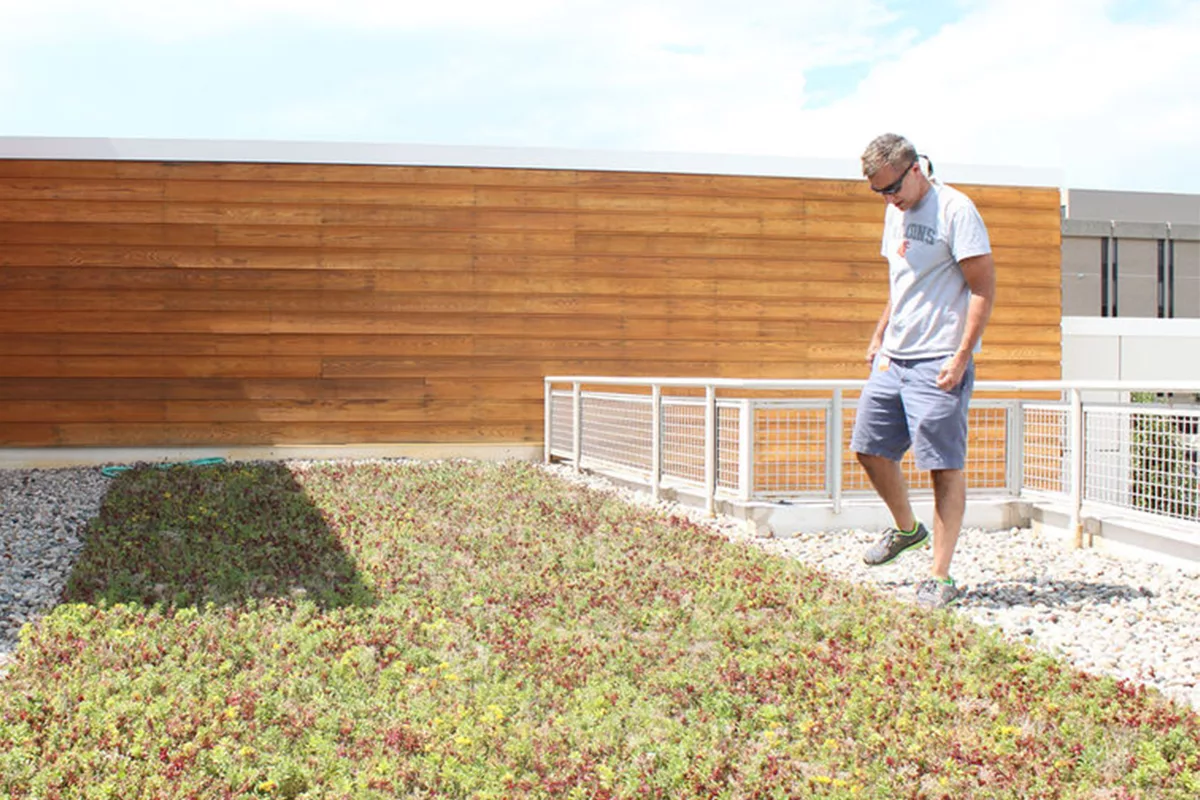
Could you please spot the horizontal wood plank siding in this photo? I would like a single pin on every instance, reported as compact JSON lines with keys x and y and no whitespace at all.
{"x":167,"y":304}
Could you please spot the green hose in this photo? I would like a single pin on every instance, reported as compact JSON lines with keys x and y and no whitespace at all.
{"x":115,"y":470}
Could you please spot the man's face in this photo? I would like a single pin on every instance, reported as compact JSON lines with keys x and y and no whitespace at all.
{"x":897,"y":185}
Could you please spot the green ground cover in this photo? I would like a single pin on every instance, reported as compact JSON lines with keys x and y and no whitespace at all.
{"x":464,"y":630}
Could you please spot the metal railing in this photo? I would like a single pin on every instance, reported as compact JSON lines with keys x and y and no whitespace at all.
{"x":1092,"y":444}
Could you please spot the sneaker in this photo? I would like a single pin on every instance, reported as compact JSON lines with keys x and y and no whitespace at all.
{"x":893,"y":543}
{"x":936,"y":593}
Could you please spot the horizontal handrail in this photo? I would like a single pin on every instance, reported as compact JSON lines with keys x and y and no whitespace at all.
{"x":1183,"y":387}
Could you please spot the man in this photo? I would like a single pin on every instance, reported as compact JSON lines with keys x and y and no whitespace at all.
{"x":943,"y":283}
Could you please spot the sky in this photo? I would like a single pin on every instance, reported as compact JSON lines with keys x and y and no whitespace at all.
{"x":1104,"y":93}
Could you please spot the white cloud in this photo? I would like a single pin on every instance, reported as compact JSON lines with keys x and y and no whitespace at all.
{"x":1041,"y":83}
{"x":186,"y":19}
{"x":698,"y":76}
{"x":1031,"y":83}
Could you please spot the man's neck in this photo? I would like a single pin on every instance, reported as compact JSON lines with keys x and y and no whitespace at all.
{"x":925,"y":186}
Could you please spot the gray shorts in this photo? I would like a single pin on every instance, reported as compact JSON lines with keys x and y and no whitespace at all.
{"x":902,"y":407}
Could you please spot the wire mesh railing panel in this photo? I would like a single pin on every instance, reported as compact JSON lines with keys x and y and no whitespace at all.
{"x":1045,"y":450}
{"x":987,"y":451}
{"x":683,"y":440}
{"x":562,"y":424}
{"x":729,"y":415}
{"x":1141,"y":457}
{"x":1106,"y":464}
{"x":789,"y":448}
{"x":618,"y":431}
{"x":1152,"y":452}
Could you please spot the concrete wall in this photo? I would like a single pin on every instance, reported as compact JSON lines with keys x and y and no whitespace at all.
{"x":1178,"y":209}
{"x":1141,"y":219}
{"x":1130,"y":349}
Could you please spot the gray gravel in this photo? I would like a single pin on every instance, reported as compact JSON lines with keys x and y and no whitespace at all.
{"x":1123,"y":617}
{"x":43,"y":514}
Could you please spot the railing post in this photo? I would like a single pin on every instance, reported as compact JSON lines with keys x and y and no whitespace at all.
{"x":548,"y":427}
{"x":655,"y":440}
{"x":710,"y":450}
{"x":577,"y":422}
{"x":1014,"y":449}
{"x":746,"y":449}
{"x":834,"y":449}
{"x":1078,"y":448}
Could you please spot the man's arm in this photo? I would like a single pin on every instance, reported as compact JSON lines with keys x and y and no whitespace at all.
{"x":880,"y":329}
{"x":980,"y":274}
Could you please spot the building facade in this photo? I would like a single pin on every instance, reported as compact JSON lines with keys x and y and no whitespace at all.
{"x":1130,"y":254}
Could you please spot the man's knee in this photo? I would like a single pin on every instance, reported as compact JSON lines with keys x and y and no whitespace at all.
{"x":870,"y":459}
{"x":946,"y":474}
{"x":948,"y":478}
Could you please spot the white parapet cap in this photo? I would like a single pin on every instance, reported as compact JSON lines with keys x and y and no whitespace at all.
{"x":1139,"y":327}
{"x":438,"y":155}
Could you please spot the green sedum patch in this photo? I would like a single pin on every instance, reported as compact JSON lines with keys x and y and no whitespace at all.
{"x":463,"y":630}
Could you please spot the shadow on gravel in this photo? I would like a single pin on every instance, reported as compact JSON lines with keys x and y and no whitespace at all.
{"x":224,"y":534}
{"x":1050,"y":594}
{"x":43,"y":517}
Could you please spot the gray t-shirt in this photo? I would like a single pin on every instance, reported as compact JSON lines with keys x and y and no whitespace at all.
{"x":929,"y":294}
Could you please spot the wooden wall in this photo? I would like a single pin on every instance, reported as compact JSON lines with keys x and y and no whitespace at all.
{"x":168,"y":304}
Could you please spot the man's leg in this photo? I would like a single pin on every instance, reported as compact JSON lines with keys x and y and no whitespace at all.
{"x":949,"y":505}
{"x":888,"y":480}
{"x":938,"y":420}
{"x":881,"y":437}
{"x":939,"y":424}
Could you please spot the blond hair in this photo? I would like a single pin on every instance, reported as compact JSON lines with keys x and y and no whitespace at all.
{"x":890,"y":149}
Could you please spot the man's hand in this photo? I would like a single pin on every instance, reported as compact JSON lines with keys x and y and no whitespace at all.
{"x":953,"y":371}
{"x":873,"y":349}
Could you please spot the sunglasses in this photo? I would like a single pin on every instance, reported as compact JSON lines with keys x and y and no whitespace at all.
{"x":895,"y":185}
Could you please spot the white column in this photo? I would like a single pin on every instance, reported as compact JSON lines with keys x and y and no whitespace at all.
{"x":710,"y":450}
